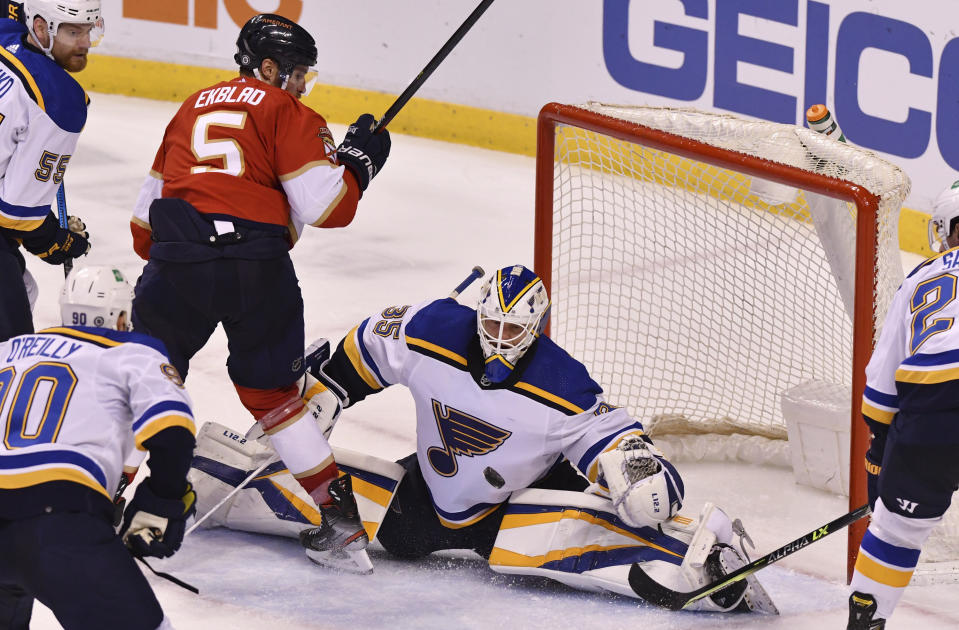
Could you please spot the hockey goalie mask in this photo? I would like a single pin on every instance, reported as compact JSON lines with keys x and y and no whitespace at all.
{"x":513,"y":311}
{"x":945,"y":209}
{"x":95,"y":296}
{"x":60,"y":13}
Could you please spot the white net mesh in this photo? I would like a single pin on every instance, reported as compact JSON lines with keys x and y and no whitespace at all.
{"x":697,"y":295}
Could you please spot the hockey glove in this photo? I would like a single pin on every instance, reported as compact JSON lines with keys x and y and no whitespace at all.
{"x":644,"y":487}
{"x":54,"y":244}
{"x":877,"y":446}
{"x":154,"y":526}
{"x":362,"y":151}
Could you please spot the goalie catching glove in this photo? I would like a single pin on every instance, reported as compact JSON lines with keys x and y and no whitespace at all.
{"x":644,"y":487}
{"x":154,"y":526}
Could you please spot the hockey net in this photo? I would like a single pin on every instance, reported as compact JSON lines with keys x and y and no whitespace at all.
{"x":701,"y":265}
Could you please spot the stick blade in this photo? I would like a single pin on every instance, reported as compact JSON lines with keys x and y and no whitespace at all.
{"x":653,"y":592}
{"x":357,"y":562}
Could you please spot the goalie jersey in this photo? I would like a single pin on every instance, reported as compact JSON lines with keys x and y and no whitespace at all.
{"x":915,"y":365}
{"x":74,"y":403}
{"x":478,"y":443}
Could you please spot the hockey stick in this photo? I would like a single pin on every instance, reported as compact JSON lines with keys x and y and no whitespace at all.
{"x":437,"y":59}
{"x":477,"y":272}
{"x":64,"y":223}
{"x":655,"y":593}
{"x":232,"y":492}
{"x":167,"y":576}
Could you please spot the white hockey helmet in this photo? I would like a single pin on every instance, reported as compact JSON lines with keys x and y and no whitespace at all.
{"x":58,"y":12}
{"x":513,"y":311}
{"x":95,"y":296}
{"x":945,"y":209}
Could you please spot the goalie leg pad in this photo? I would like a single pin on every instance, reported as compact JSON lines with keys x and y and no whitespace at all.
{"x":274,"y":502}
{"x":577,"y":539}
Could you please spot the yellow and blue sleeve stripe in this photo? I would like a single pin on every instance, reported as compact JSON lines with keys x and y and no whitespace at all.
{"x":22,"y":470}
{"x":162,"y":415}
{"x":928,"y":369}
{"x":361,"y":359}
{"x":878,"y":406}
{"x":22,"y":218}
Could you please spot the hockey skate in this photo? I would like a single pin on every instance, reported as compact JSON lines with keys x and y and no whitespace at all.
{"x":862,"y":611}
{"x":340,"y":540}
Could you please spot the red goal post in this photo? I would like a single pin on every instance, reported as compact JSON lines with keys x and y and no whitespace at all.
{"x":556,"y":119}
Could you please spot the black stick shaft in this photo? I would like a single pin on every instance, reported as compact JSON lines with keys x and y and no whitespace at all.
{"x":434,"y":63}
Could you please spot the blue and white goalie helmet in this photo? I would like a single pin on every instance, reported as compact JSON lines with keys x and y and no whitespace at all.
{"x":944,"y":210}
{"x":513,"y":311}
{"x":96,"y":296}
{"x":59,"y":12}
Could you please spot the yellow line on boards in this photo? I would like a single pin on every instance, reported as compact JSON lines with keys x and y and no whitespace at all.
{"x":436,"y":120}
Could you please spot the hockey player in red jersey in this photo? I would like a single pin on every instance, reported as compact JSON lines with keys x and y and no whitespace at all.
{"x":242,"y":168}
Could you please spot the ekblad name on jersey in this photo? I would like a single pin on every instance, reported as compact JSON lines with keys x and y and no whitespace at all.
{"x":77,"y":400}
{"x":918,"y":349}
{"x":245,"y":150}
{"x":553,"y":410}
{"x":43,"y":111}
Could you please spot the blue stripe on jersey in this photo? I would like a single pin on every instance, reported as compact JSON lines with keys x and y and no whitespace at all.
{"x":367,"y":357}
{"x":160,"y":407}
{"x":886,"y":400}
{"x":593,"y":451}
{"x":459,"y":516}
{"x":902,"y":557}
{"x":940,"y":358}
{"x":24,"y":213}
{"x":123,"y":336}
{"x":26,"y":460}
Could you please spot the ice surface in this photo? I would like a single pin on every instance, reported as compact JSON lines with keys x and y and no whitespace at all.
{"x":434,"y":212}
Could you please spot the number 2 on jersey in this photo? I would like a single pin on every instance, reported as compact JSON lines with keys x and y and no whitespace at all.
{"x":226,"y":149}
{"x":30,"y":391}
{"x":929,"y":298}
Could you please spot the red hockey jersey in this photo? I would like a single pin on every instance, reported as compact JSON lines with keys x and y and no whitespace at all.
{"x":247,"y":150}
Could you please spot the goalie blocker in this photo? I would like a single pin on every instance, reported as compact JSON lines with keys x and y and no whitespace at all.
{"x":575,"y":538}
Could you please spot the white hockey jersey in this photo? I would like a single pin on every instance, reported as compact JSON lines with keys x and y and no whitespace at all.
{"x":75,"y":401}
{"x":42,"y":111}
{"x":919,"y":342}
{"x":477,"y":445}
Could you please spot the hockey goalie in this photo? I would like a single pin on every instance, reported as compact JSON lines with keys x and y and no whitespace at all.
{"x":519,"y":457}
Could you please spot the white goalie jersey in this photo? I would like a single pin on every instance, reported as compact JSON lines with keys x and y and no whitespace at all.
{"x":76,"y":401}
{"x":478,"y":443}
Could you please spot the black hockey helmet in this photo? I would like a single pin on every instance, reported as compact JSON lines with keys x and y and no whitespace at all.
{"x":270,"y":36}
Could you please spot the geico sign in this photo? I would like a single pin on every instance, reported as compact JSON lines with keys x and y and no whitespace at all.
{"x":858,"y":33}
{"x":204,"y":11}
